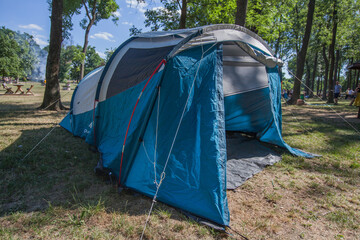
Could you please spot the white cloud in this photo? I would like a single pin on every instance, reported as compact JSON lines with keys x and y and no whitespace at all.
{"x":158,"y":8}
{"x":103,"y":35}
{"x":101,"y":54}
{"x":127,"y":23}
{"x":116,"y":14}
{"x":40,"y":41}
{"x":162,"y":9}
{"x":141,"y":6}
{"x":31,"y":26}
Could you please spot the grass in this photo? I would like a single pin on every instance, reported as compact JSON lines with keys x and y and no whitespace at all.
{"x":53,"y":193}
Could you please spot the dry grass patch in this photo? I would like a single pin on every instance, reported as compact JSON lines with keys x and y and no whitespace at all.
{"x":53,"y":193}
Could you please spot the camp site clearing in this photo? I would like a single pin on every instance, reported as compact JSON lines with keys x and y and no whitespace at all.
{"x":54,"y":192}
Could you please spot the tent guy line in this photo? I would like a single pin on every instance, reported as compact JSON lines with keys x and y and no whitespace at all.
{"x":221,"y":77}
{"x":352,"y":126}
{"x":162,"y":175}
{"x":55,"y":125}
{"x":132,"y":114}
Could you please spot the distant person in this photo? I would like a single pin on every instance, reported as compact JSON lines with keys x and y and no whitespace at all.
{"x":351,"y":94}
{"x":347,"y":94}
{"x":357,"y":99}
{"x":286,"y":94}
{"x":337,"y":91}
{"x":355,"y":95}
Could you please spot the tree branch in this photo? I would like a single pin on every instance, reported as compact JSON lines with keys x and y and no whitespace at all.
{"x":94,"y":11}
{"x":87,"y":10}
{"x":178,"y":3}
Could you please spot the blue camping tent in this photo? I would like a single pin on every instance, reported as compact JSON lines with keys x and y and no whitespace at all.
{"x":158,"y":111}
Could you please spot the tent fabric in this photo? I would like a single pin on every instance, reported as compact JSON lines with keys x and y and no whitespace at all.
{"x":248,"y":112}
{"x":274,"y":133}
{"x":192,"y":176}
{"x":79,"y":120}
{"x":135,"y":66}
{"x":170,"y":127}
{"x":133,"y":43}
{"x":245,"y":158}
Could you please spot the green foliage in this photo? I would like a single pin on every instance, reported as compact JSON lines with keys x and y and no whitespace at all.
{"x":92,"y":60}
{"x":97,"y":10}
{"x":134,"y":30}
{"x":109,"y":53}
{"x":165,"y":18}
{"x":71,"y":58}
{"x":199,"y":13}
{"x":70,"y":61}
{"x":70,"y":7}
{"x":9,"y":59}
{"x":19,"y":53}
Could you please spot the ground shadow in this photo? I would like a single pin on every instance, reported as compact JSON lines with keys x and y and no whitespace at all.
{"x":60,"y":172}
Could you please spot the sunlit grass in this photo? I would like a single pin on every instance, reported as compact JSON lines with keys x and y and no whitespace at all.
{"x":54,"y":193}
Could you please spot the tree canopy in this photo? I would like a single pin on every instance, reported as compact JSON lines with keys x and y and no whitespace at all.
{"x":19,"y":54}
{"x":332,"y":39}
{"x":95,"y":11}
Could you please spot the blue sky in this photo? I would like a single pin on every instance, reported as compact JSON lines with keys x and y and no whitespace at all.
{"x":32,"y":16}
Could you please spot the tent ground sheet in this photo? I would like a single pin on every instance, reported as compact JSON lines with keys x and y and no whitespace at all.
{"x":245,"y":158}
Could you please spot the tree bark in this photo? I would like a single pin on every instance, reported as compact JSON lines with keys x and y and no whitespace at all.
{"x":326,"y":72}
{"x":336,"y":68}
{"x":332,"y":56}
{"x":52,"y":100}
{"x":307,"y":80}
{"x":182,"y":23}
{"x":349,"y":75}
{"x":314,"y":75}
{"x":91,"y":16}
{"x":241,"y":9}
{"x":300,"y":60}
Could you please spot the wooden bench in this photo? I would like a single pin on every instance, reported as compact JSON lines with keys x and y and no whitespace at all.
{"x":29,"y":90}
{"x":8,"y":89}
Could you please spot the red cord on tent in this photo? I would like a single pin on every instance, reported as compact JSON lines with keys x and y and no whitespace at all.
{"x":132,"y":114}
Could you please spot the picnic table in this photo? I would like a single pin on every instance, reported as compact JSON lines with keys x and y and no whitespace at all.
{"x":19,"y":88}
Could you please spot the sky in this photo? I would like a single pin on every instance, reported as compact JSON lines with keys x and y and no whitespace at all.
{"x":33,"y":17}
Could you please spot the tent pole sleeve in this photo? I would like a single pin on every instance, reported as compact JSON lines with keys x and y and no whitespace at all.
{"x":132,"y":114}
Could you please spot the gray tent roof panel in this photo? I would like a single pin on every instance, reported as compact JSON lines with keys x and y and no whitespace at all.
{"x":241,"y":49}
{"x":221,"y":32}
{"x":137,"y":43}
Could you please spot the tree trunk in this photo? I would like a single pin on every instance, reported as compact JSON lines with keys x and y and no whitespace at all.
{"x":86,"y":43}
{"x":307,"y":80}
{"x":91,"y":18}
{"x":241,"y":9}
{"x":349,"y":75}
{"x":336,"y":68}
{"x":332,"y":57}
{"x":52,"y":100}
{"x":353,"y":79}
{"x":314,"y":75}
{"x":300,"y":60}
{"x":182,"y":23}
{"x":326,"y":72}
